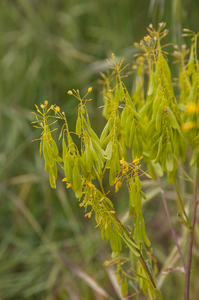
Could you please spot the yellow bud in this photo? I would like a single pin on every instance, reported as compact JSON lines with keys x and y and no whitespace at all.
{"x":90,"y":89}
{"x":46,"y":102}
{"x":70,"y":92}
{"x":42,"y":106}
{"x":57,"y":108}
{"x":68,"y":185}
{"x":64,"y":180}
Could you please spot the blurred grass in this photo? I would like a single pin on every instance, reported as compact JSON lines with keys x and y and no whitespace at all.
{"x":48,"y":249}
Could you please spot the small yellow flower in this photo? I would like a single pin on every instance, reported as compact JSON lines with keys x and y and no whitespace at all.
{"x":70,"y":92}
{"x":90,"y":89}
{"x":42,"y":106}
{"x":125,"y":170}
{"x":136,"y":160}
{"x":188,"y":126}
{"x":68,"y":185}
{"x":91,"y":185}
{"x":64,"y":180}
{"x":46,"y":102}
{"x":147,"y":38}
{"x":191,"y":108}
{"x":57,"y":108}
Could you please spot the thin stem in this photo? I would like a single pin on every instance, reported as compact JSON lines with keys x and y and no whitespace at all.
{"x":170,"y":222}
{"x":180,"y":202}
{"x":180,"y":165}
{"x":195,"y":203}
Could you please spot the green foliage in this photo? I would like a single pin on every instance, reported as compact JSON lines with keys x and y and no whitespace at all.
{"x":152,"y":123}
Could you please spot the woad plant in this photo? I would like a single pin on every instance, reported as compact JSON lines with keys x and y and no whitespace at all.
{"x":155,"y":126}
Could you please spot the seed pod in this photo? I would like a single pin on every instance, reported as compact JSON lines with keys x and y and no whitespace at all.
{"x":116,"y":98}
{"x":68,"y":169}
{"x":52,"y":178}
{"x":78,"y":126}
{"x":122,"y":147}
{"x":108,"y":151}
{"x":103,"y":235}
{"x":108,"y":201}
{"x":89,"y":159}
{"x":64,"y":148}
{"x":138,"y":202}
{"x":108,"y":231}
{"x":52,"y":174}
{"x":137,"y":233}
{"x":128,"y":130}
{"x":54,"y":147}
{"x":157,"y":168}
{"x":153,"y":152}
{"x":146,"y":239}
{"x":47,"y":153}
{"x":132,"y":192}
{"x":152,"y":83}
{"x":83,"y":166}
{"x":132,"y":134}
{"x":77,"y":183}
{"x":93,"y":135}
{"x":159,"y":150}
{"x":106,"y":141}
{"x":172,"y":119}
{"x":138,"y":117}
{"x":138,"y":183}
{"x":112,"y":171}
{"x":114,"y":241}
{"x":71,"y":144}
{"x":104,"y":133}
{"x":115,"y":254}
{"x":124,"y":287}
{"x":159,"y":118}
{"x":93,"y":152}
{"x":151,"y":171}
{"x":124,"y":116}
{"x":169,"y":157}
{"x":98,"y":149}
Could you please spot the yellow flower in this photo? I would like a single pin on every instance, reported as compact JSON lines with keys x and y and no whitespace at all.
{"x":136,"y":160}
{"x":70,"y":92}
{"x":90,"y":89}
{"x":188,"y":126}
{"x":46,"y":102}
{"x":57,"y":108}
{"x":147,"y":38}
{"x":42,"y":106}
{"x":64,"y":180}
{"x":91,"y":185}
{"x":191,"y":108}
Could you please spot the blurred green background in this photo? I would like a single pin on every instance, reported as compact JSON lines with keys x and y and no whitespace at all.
{"x":48,"y":249}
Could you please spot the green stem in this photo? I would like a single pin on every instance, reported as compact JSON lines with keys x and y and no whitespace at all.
{"x":180,"y":202}
{"x":195,"y":203}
